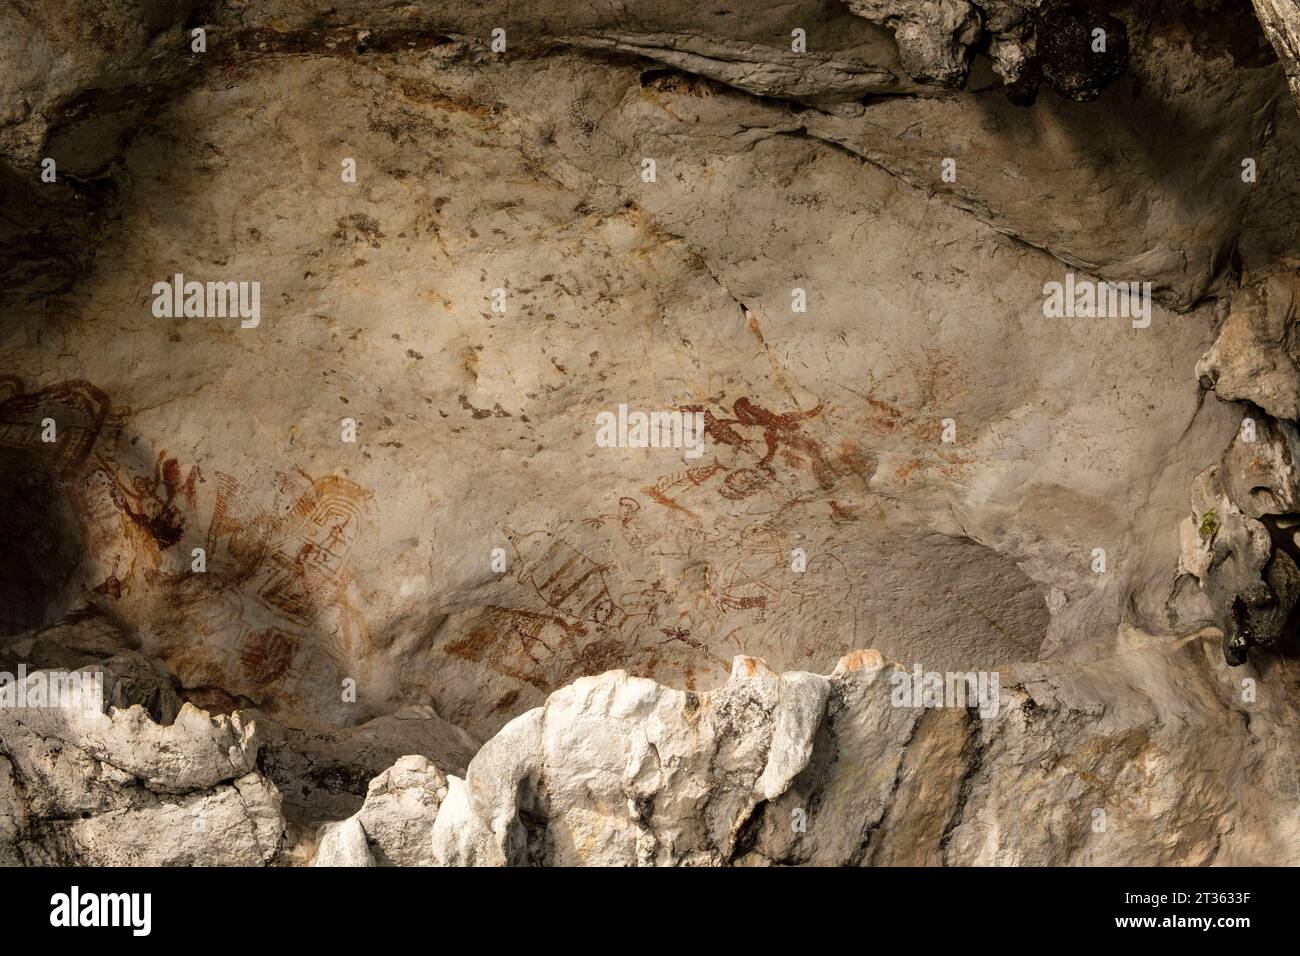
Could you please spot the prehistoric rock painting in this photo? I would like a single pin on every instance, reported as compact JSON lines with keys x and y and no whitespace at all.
{"x":275,"y":594}
{"x":780,"y":433}
{"x":124,"y":516}
{"x":538,"y":649}
{"x":110,"y":549}
{"x":628,"y":517}
{"x":585,"y":611}
{"x":581,"y":611}
{"x":156,"y":503}
{"x":570,"y":582}
{"x":828,"y":230}
{"x":266,"y":655}
{"x":307,"y":555}
{"x":79,"y":410}
{"x":577,"y":626}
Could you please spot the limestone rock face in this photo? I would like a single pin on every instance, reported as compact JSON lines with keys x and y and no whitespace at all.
{"x":933,"y":36}
{"x":803,"y":769}
{"x":108,"y":787}
{"x":344,"y":844}
{"x":326,"y":774}
{"x":1255,"y":358}
{"x":312,"y":315}
{"x":1239,"y":542}
{"x":1282,"y":25}
{"x":632,"y":771}
{"x":395,"y":822}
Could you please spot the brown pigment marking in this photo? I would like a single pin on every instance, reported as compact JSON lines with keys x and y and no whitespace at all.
{"x":903,"y":472}
{"x":296,"y":563}
{"x":78,"y":408}
{"x":496,"y":411}
{"x":682,"y":635}
{"x":489,"y":641}
{"x":311,"y":548}
{"x":842,"y":512}
{"x":660,"y":498}
{"x":940,"y":381}
{"x":745,"y":603}
{"x":786,"y":429}
{"x":171,"y":471}
{"x":110,"y":586}
{"x":266,"y":656}
{"x":144,"y":501}
{"x":889,"y":408}
{"x":507,"y":700}
{"x":430,"y":95}
{"x":957,"y":465}
{"x":165,"y":529}
{"x":743,"y":482}
{"x":600,"y":656}
{"x":717,"y":429}
{"x":854,"y":458}
{"x":358,"y":227}
{"x":573,"y":584}
{"x":694,"y":477}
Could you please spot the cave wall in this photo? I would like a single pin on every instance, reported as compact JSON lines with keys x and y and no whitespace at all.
{"x":372,"y":520}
